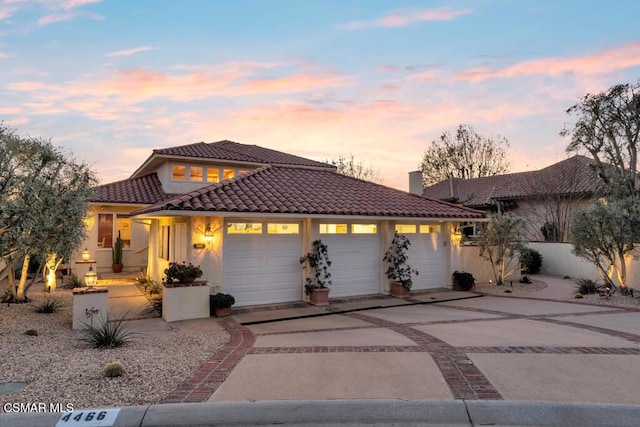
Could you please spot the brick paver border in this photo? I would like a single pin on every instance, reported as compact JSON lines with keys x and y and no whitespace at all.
{"x":212,"y":373}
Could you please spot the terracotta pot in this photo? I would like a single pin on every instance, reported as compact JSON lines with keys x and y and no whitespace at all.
{"x":117,"y":268}
{"x":222,"y":311}
{"x":320,"y":296}
{"x":398,"y":291}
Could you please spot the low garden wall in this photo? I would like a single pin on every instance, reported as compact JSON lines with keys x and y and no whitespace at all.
{"x":558,"y":260}
{"x":467,"y":258}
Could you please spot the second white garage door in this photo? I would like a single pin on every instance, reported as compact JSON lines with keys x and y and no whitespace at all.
{"x":261,"y":262}
{"x":426,"y":254}
{"x":355,"y":258}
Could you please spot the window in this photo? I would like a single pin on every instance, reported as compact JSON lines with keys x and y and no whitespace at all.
{"x":283,"y":228}
{"x":107,"y":233}
{"x":364,"y":229}
{"x":213,"y":175}
{"x":406,"y":228}
{"x":244,"y":228}
{"x":229,"y":173}
{"x":105,"y":230}
{"x":164,"y":242}
{"x":425,"y":229}
{"x":179,"y":172}
{"x":469,"y":229}
{"x":333,"y":228}
{"x":195,"y":173}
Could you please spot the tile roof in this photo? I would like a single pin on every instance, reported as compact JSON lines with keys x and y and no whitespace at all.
{"x":573,"y":176}
{"x":233,"y":151}
{"x":143,"y":190}
{"x":281,"y":189}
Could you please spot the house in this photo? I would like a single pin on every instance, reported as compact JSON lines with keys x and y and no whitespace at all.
{"x":246,"y":214}
{"x":545,"y":198}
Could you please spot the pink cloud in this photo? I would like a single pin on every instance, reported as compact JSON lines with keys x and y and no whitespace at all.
{"x":620,"y":57}
{"x":408,"y":17}
{"x":61,"y":17}
{"x":70,"y":4}
{"x":130,"y":52}
{"x":4,"y":55}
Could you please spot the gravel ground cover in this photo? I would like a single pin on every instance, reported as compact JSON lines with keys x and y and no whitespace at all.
{"x":529,"y":289}
{"x":510,"y":289}
{"x":60,"y":368}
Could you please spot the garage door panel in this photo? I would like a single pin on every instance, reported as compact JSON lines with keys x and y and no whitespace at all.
{"x":426,"y":254}
{"x":262,"y":268}
{"x":355,"y":264}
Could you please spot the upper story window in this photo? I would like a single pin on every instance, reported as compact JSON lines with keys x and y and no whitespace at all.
{"x":194,"y":173}
{"x":179,"y":172}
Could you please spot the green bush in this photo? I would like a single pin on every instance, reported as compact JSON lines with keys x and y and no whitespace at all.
{"x":221,"y":300}
{"x":113,"y":370}
{"x":463,"y":281}
{"x":525,"y":279}
{"x":108,"y":334}
{"x":530,"y":261}
{"x":47,"y":306}
{"x":587,"y":287}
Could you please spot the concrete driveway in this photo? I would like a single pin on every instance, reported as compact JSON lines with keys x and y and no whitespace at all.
{"x":481,"y":348}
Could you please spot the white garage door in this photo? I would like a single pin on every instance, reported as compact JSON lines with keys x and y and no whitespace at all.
{"x":426,"y":254}
{"x":261,"y":262}
{"x":355,"y":258}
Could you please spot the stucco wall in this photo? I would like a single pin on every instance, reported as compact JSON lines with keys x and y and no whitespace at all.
{"x":210,"y":257}
{"x":557,"y":259}
{"x":134,"y":258}
{"x":467,"y":258}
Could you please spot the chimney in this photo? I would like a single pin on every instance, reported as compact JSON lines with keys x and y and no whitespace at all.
{"x":415,"y":182}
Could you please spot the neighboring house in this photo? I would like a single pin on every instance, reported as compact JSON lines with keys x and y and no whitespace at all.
{"x":246,"y":215}
{"x":545,"y":198}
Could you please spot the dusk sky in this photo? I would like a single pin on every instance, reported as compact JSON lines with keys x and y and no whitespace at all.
{"x":111,"y":80}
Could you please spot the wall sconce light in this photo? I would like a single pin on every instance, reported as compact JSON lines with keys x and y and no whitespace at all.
{"x":91,"y":278}
{"x":208,"y":234}
{"x":85,"y":254}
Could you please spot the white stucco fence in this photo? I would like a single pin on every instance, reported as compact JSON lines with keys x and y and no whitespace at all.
{"x":557,"y":259}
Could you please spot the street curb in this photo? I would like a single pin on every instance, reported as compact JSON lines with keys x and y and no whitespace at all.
{"x":358,"y":412}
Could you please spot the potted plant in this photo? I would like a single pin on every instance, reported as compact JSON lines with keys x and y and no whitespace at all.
{"x":184,"y":273}
{"x":398,"y":270}
{"x":116,"y":254}
{"x":316,"y":263}
{"x":220,"y":304}
{"x":463,"y":281}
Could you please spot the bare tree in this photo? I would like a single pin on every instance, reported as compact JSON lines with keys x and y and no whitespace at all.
{"x":608,"y":127}
{"x":349,"y":166}
{"x":501,"y":242}
{"x":464,"y":154}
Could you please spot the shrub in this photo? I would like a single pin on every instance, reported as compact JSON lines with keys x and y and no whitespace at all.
{"x":108,"y":334}
{"x":31,"y":332}
{"x":396,"y":257}
{"x":47,"y":306}
{"x":587,"y":286}
{"x":317,"y":263}
{"x":113,"y":369}
{"x":74,"y":282}
{"x":221,"y":300}
{"x":525,"y":279}
{"x":155,"y":288}
{"x":530,"y":261}
{"x":181,"y":272}
{"x":463,"y":281}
